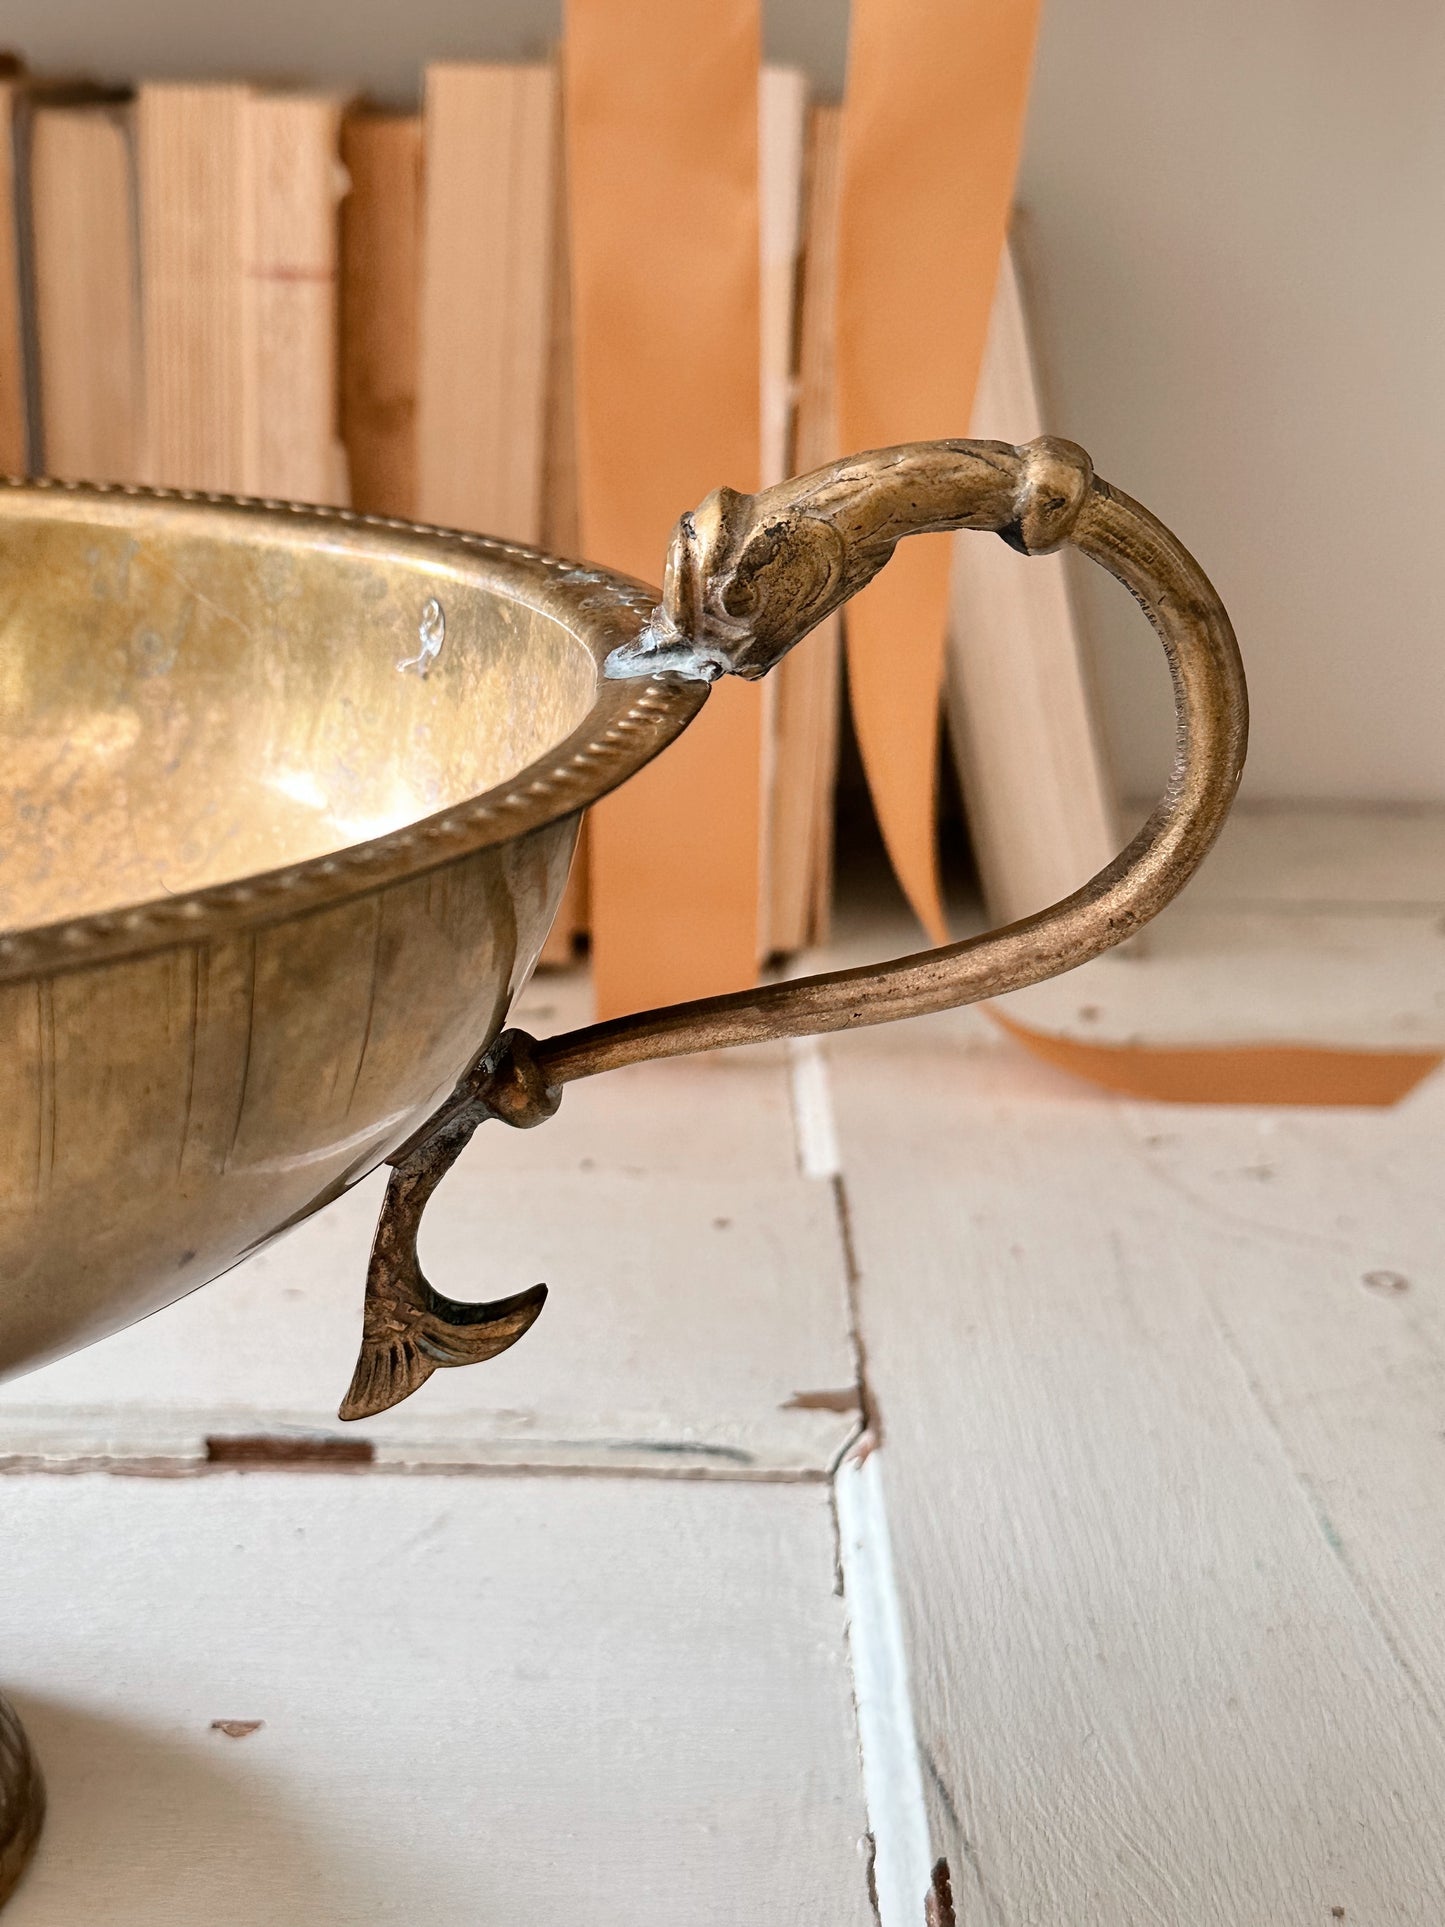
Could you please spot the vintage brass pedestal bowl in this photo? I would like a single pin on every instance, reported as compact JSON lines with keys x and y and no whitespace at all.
{"x":287,"y":801}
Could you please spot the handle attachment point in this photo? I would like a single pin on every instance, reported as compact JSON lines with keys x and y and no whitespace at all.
{"x":408,"y":1327}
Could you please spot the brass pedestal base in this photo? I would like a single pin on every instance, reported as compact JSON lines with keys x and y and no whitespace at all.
{"x":22,"y":1800}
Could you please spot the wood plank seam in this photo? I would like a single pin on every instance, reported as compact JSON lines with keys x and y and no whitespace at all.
{"x":32,"y":1464}
{"x":887,"y":1737}
{"x":819,"y":1158}
{"x":902,"y":1856}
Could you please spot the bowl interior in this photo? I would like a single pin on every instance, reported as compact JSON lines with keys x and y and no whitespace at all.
{"x":187,"y":700}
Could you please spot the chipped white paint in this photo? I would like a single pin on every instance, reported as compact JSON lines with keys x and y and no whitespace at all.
{"x":817,"y":1133}
{"x":507,"y":1700}
{"x":1161,"y":1391}
{"x":1164,"y":1478}
{"x":892,"y":1779}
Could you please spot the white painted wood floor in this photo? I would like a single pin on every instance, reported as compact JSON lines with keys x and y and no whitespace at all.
{"x":1162,"y":1403}
{"x":1306,"y":926}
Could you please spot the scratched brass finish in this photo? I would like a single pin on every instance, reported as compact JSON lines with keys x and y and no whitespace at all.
{"x":747,"y":578}
{"x":287,"y":798}
{"x":264,"y":892}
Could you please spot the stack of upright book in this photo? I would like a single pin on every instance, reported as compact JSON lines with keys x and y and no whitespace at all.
{"x":555,"y":307}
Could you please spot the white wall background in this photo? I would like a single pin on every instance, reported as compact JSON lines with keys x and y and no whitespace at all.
{"x":1237,"y":247}
{"x":1239,"y":215}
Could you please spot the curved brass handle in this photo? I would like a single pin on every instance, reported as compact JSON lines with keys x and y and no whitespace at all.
{"x":747,"y":577}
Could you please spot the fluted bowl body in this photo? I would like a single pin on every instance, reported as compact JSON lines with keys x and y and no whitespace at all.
{"x":287,"y":803}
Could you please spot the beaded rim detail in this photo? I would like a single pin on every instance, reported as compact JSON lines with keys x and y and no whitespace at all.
{"x":629,"y":723}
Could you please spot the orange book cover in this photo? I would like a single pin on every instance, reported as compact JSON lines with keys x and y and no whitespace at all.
{"x":662,"y":137}
{"x":932,"y":126}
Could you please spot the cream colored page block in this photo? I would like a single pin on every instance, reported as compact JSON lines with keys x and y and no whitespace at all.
{"x":817,"y":437}
{"x":503,"y":1700}
{"x":807,"y":681}
{"x":698,"y":1319}
{"x":487,"y":258}
{"x":193,"y":224}
{"x":1161,"y":1450}
{"x":290,"y":392}
{"x":86,"y":292}
{"x":1040,"y":811}
{"x":782,"y":124}
{"x":560,"y":528}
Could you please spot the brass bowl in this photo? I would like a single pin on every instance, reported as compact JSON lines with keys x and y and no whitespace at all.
{"x":287,"y":805}
{"x":275,"y":863}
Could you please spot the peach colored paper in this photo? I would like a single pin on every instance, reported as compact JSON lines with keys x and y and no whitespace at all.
{"x":662,"y":163}
{"x":1234,"y":1074}
{"x":932,"y":124}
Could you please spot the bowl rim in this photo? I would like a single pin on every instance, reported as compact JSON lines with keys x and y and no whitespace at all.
{"x":630,"y":720}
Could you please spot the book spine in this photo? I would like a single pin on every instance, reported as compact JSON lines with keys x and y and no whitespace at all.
{"x":1040,"y":811}
{"x":932,"y":126}
{"x":665,"y":280}
{"x":381,"y":308}
{"x":560,"y":532}
{"x":191,"y":148}
{"x":85,"y":291}
{"x":290,"y":430}
{"x":809,"y":680}
{"x":489,"y":143}
{"x":14,"y":438}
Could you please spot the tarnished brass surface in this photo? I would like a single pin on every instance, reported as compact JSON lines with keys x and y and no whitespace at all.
{"x":287,"y":798}
{"x":265,"y":892}
{"x":747,"y":577}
